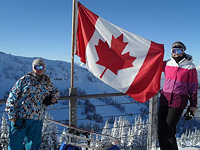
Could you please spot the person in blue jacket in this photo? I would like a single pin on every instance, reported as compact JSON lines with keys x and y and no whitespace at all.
{"x":26,"y":105}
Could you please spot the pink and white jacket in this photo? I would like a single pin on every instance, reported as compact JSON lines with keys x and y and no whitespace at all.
{"x":181,"y":83}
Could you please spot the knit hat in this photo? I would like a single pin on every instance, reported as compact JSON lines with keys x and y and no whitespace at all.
{"x":178,"y":44}
{"x":38,"y":61}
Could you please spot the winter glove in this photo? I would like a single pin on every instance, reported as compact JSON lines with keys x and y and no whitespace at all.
{"x":190,"y":113}
{"x":48,"y":100}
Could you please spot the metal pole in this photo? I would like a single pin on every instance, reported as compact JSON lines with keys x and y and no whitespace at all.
{"x":73,"y":40}
{"x":73,"y":107}
{"x":154,"y":121}
{"x":152,"y":126}
{"x":72,"y":90}
{"x":149,"y":125}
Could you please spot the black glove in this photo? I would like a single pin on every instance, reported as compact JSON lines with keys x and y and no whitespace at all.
{"x":189,"y":115}
{"x":47,"y":100}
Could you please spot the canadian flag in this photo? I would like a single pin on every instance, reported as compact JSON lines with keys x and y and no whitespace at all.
{"x":123,"y":60}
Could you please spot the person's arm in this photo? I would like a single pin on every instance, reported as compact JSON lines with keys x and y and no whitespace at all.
{"x":13,"y":100}
{"x":55,"y":93}
{"x":192,"y":94}
{"x":192,"y":89}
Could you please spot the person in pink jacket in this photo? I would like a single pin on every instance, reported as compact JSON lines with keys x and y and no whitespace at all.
{"x":180,"y":86}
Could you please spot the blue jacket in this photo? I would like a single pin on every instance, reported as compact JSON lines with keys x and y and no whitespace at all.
{"x":26,"y":97}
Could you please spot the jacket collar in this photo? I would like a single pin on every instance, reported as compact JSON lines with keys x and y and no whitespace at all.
{"x":186,"y":60}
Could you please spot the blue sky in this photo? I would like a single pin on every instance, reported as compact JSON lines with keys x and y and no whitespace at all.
{"x":42,"y":28}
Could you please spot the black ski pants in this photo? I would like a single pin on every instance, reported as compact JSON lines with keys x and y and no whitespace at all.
{"x":168,"y":118}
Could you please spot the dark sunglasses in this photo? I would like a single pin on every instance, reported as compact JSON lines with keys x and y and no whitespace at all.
{"x":39,"y":67}
{"x":177,"y":51}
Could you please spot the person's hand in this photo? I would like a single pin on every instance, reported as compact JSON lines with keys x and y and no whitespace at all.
{"x":49,"y":100}
{"x":13,"y":120}
{"x":53,"y":100}
{"x":190,"y":113}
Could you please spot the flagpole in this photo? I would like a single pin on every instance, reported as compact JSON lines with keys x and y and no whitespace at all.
{"x":73,"y":41}
{"x":72,"y":90}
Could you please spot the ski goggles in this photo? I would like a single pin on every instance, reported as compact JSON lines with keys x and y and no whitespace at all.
{"x":177,"y":51}
{"x":39,"y":67}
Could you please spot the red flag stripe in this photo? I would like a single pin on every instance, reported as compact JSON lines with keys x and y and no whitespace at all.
{"x":85,"y":30}
{"x":145,"y":84}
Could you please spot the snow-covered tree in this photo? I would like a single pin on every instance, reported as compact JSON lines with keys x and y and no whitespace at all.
{"x":135,"y":139}
{"x":189,"y":138}
{"x":49,"y":135}
{"x":92,"y":144}
{"x":106,"y":130}
{"x":136,"y":135}
{"x":98,"y":138}
{"x":120,"y":124}
{"x":143,"y":136}
{"x":63,"y":137}
{"x":197,"y":137}
{"x":4,"y":133}
{"x":115,"y":129}
{"x":182,"y":140}
{"x":124,"y":132}
{"x":131,"y":137}
{"x":54,"y":135}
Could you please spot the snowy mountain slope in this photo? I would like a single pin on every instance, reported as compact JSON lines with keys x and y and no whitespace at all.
{"x":13,"y":67}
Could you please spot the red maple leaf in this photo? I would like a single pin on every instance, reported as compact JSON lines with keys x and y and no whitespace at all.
{"x":111,"y":58}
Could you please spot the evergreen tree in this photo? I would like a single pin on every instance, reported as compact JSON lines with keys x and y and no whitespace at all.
{"x":181,"y":141}
{"x":143,"y":136}
{"x":120,"y":124}
{"x":106,"y":130}
{"x":139,"y":135}
{"x":131,"y":138}
{"x":54,"y":135}
{"x":189,"y":138}
{"x":197,"y":137}
{"x":124,"y":133}
{"x":194,"y":137}
{"x":4,"y":133}
{"x":63,"y":137}
{"x":49,"y":135}
{"x":92,"y":137}
{"x":97,"y":139}
{"x":115,"y":129}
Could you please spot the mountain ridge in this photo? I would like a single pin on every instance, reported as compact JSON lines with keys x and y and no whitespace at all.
{"x":14,"y":67}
